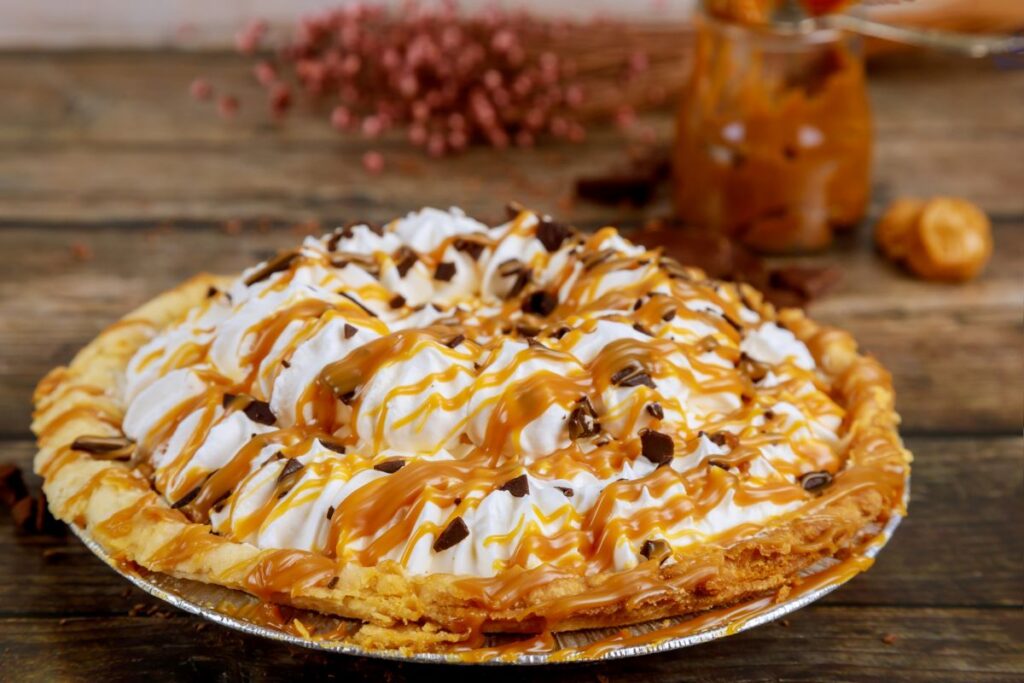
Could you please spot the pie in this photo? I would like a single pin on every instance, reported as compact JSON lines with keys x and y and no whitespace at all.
{"x":443,"y":429}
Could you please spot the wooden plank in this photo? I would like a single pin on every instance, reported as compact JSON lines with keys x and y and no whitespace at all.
{"x":819,"y":643}
{"x":960,"y":546}
{"x":950,"y":348}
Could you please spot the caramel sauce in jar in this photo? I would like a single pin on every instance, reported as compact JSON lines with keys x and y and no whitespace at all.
{"x":773,"y":137}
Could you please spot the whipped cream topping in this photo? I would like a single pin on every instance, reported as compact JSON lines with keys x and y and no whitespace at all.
{"x":465,"y":399}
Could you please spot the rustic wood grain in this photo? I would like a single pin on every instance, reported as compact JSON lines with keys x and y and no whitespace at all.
{"x":103,"y":154}
{"x":821,"y":642}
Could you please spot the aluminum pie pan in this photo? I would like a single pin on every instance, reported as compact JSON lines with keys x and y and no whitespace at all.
{"x":210,"y":601}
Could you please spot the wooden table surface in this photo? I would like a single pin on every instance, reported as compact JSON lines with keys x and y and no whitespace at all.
{"x":114,"y":185}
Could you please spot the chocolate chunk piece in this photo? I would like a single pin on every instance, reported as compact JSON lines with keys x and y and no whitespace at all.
{"x":541,"y":303}
{"x":642,"y":330}
{"x":187,"y":498}
{"x":656,"y":447}
{"x":105,"y":447}
{"x":453,"y":534}
{"x":668,"y":315}
{"x":471,"y":247}
{"x":552,"y":234}
{"x":350,"y":331}
{"x":290,"y":467}
{"x":724,"y":439}
{"x":527,"y":331}
{"x":332,"y":583}
{"x":211,"y":292}
{"x":445,"y":271}
{"x":404,"y":258}
{"x":656,"y":411}
{"x":517,"y":486}
{"x":455,"y":341}
{"x":583,"y":420}
{"x":282,"y":261}
{"x":632,"y":375}
{"x":365,"y":310}
{"x":815,"y":481}
{"x":390,"y":466}
{"x":330,"y":512}
{"x":397,"y":301}
{"x":656,"y":549}
{"x":259,"y":411}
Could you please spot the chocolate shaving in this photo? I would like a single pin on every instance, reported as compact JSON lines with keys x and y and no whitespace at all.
{"x":669,"y":315}
{"x":187,"y":498}
{"x":332,"y":583}
{"x":596,"y":258}
{"x":282,"y":261}
{"x":350,"y":331}
{"x":656,"y":447}
{"x":517,"y":486}
{"x":552,"y":234}
{"x":365,"y":310}
{"x":290,"y":467}
{"x":390,"y":466}
{"x":656,"y":411}
{"x":105,"y":447}
{"x":259,"y":411}
{"x":642,"y":330}
{"x":471,"y":247}
{"x":732,"y":323}
{"x":566,"y":491}
{"x":561,"y":332}
{"x":332,"y":445}
{"x":404,"y":258}
{"x":445,"y":271}
{"x":656,"y":549}
{"x":719,"y":464}
{"x":522,"y":279}
{"x":455,"y":341}
{"x":454,"y":533}
{"x":330,"y":512}
{"x":815,"y":481}
{"x":583,"y":420}
{"x":541,"y":303}
{"x":527,"y":331}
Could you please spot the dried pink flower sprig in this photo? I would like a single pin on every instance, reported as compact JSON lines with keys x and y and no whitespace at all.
{"x":447,"y":79}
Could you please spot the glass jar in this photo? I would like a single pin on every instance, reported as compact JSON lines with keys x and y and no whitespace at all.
{"x":773,"y":139}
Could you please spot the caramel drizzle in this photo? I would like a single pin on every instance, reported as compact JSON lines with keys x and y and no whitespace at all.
{"x":387,"y":510}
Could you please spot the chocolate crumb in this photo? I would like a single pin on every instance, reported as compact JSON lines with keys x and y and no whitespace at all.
{"x":390,"y":466}
{"x":656,"y":411}
{"x":517,"y":486}
{"x":638,"y":304}
{"x":815,"y":481}
{"x":724,"y":439}
{"x":656,"y":549}
{"x":541,"y":303}
{"x":350,"y":331}
{"x":669,"y":315}
{"x":631,"y":376}
{"x":211,"y":292}
{"x":453,"y":534}
{"x":397,"y":301}
{"x":332,"y":445}
{"x":332,"y":583}
{"x":445,"y":271}
{"x":642,"y":330}
{"x":566,"y":491}
{"x":259,"y":411}
{"x":656,"y":447}
{"x":455,"y":341}
{"x":471,"y":247}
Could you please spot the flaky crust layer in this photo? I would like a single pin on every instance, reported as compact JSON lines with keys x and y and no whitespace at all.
{"x":120,"y":510}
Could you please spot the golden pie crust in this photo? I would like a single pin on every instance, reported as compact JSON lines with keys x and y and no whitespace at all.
{"x":116,"y":505}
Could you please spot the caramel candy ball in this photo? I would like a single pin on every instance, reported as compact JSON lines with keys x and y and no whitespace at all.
{"x":953,"y":241}
{"x":944,"y":238}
